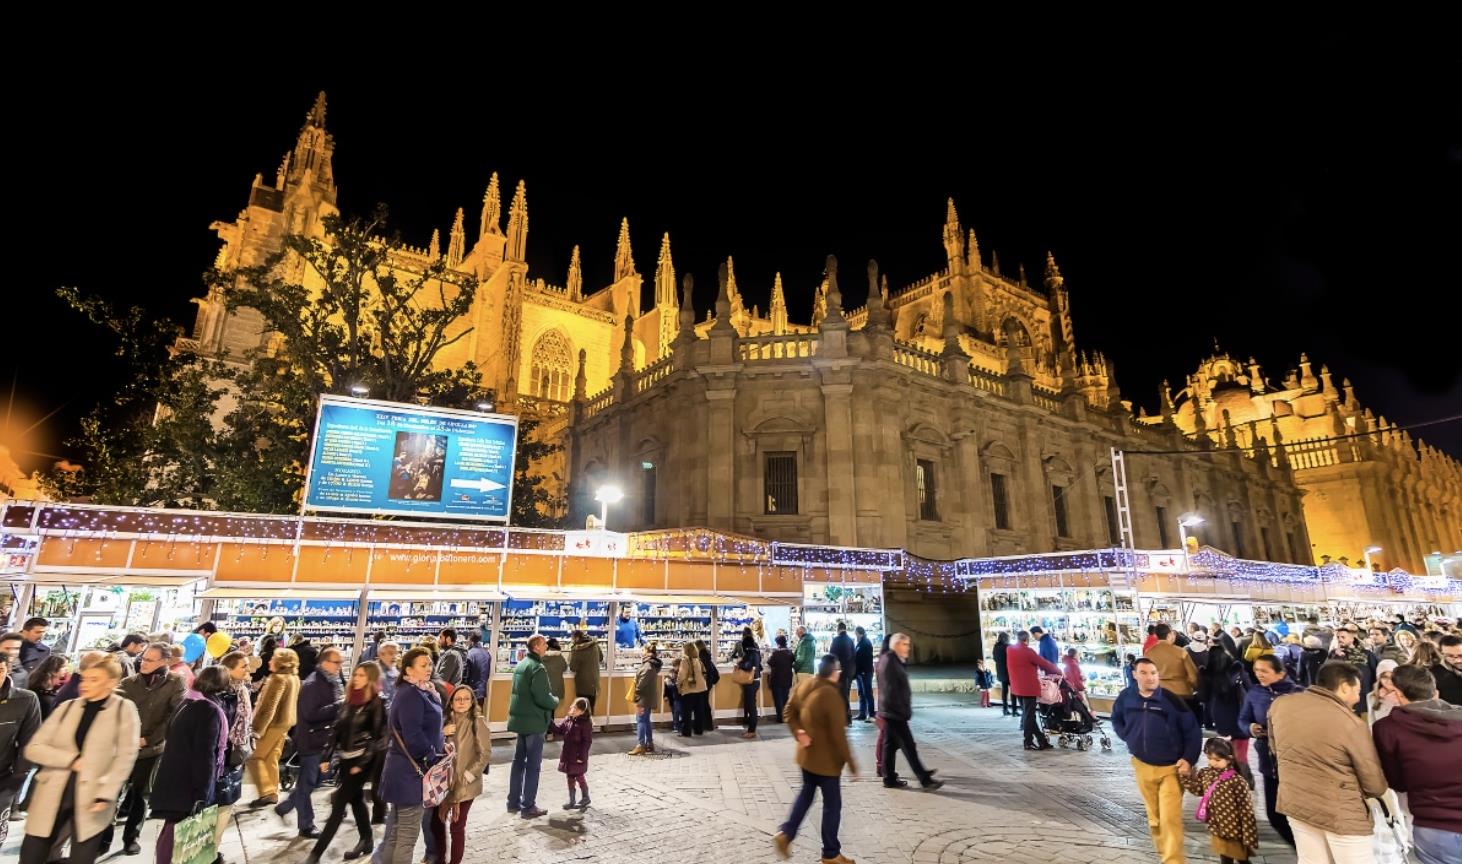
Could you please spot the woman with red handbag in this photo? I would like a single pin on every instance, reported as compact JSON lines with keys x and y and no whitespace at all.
{"x":415,"y":731}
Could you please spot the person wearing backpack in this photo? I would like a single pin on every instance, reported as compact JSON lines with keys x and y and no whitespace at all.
{"x":713,"y":675}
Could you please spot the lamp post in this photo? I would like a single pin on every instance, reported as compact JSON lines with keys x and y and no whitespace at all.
{"x":1371,"y":550}
{"x":1184,"y":523}
{"x":607,"y":495}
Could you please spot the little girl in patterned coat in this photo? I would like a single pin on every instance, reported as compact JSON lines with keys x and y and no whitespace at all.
{"x":1225,"y":806}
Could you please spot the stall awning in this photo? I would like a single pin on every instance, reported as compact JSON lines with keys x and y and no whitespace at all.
{"x":230,"y":593}
{"x":763,"y":599}
{"x":428,"y":594}
{"x":104,"y":579}
{"x":558,"y":594}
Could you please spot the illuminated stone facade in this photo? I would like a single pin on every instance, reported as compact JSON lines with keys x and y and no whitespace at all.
{"x":952,"y":417}
{"x":1364,"y":483}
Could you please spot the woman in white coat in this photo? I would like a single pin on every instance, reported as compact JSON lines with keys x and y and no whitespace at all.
{"x":85,"y":751}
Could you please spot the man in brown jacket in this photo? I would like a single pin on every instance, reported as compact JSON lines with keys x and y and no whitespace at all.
{"x":1174,"y":665}
{"x":816,"y":716}
{"x":1329,"y":767}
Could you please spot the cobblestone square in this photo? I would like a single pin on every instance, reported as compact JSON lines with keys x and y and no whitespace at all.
{"x":720,"y":799}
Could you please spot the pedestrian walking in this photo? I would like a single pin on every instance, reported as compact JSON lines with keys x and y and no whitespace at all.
{"x":1163,"y":737}
{"x":815,"y":716}
{"x":357,"y":741}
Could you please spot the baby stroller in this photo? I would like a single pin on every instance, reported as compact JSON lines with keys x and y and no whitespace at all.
{"x":1065,"y":716}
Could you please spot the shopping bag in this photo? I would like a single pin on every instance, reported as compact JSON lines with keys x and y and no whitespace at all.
{"x":1390,"y":841}
{"x":193,"y":838}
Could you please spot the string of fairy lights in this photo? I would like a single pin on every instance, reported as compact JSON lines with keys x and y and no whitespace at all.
{"x":766,"y":560}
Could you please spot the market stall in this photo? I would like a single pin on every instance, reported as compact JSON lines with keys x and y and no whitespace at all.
{"x":1102,"y":601}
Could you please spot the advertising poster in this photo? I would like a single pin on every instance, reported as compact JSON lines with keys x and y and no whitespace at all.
{"x":383,"y":457}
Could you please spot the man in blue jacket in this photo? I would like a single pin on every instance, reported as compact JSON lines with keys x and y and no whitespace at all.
{"x":627,"y":630}
{"x":319,"y":702}
{"x":1163,"y":737}
{"x":1046,"y":646}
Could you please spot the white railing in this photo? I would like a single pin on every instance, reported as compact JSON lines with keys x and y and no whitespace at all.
{"x":789,"y":346}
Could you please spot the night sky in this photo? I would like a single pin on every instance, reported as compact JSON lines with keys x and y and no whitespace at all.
{"x":1297,"y":194}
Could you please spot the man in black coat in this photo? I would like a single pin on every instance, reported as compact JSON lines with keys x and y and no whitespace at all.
{"x":863,"y":662}
{"x":319,"y":702}
{"x":157,"y":693}
{"x":20,"y":717}
{"x":896,"y":707}
{"x":843,"y":649}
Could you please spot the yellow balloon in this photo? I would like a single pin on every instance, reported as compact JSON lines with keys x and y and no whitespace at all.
{"x":218,"y":644}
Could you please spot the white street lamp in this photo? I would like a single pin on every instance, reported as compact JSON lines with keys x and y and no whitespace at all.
{"x":607,"y":495}
{"x":1371,"y":550}
{"x":485,"y":407}
{"x":1191,"y":520}
{"x":359,"y":389}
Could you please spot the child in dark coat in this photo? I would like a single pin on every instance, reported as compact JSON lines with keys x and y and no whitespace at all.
{"x":578,"y":734}
{"x":1226,"y":805}
{"x":984,"y":681}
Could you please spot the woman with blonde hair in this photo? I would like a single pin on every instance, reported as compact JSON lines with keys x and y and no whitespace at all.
{"x":692,"y":686}
{"x":273,"y":717}
{"x":1405,"y":646}
{"x":84,"y":752}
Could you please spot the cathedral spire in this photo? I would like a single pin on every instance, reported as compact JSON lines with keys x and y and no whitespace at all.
{"x":877,"y":300}
{"x":1166,"y":401}
{"x":457,"y":245}
{"x":518,"y":224}
{"x":624,"y":259}
{"x":312,"y":154}
{"x":687,"y":305}
{"x":779,"y":307}
{"x":627,"y":347}
{"x":434,"y":248}
{"x":575,"y":286}
{"x":723,"y":304}
{"x":972,"y":254}
{"x":665,"y":275}
{"x":492,"y":209}
{"x":834,"y":316}
{"x":316,"y":117}
{"x":733,"y":291}
{"x":1054,"y":280}
{"x":953,"y":240}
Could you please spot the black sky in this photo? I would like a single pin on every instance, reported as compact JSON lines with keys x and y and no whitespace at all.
{"x":1279,"y":195}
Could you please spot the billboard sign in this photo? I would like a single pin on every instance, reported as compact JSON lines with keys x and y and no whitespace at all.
{"x":407,"y":460}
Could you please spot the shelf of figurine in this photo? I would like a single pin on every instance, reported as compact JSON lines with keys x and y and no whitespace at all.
{"x":1092,"y":600}
{"x":824,"y":626}
{"x":730,"y":621}
{"x":555,"y":619}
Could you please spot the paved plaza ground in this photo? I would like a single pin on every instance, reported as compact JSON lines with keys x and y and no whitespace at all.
{"x":719,"y":799}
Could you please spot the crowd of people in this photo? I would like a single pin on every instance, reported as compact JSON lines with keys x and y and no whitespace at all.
{"x":1357,"y":730}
